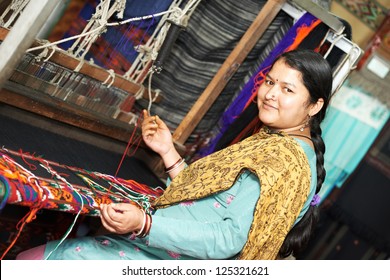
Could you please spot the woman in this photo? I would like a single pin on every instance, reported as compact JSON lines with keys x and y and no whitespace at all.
{"x":253,"y":200}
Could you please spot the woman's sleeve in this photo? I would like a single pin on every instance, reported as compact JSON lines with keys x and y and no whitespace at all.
{"x":214,"y":240}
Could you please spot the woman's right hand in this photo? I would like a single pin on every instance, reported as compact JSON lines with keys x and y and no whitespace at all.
{"x":156,"y":134}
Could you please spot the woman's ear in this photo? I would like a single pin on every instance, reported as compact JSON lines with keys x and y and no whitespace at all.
{"x":316,"y":107}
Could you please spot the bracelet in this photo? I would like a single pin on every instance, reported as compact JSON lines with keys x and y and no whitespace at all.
{"x":147,"y":227}
{"x":175,"y":165}
{"x":143,"y":225}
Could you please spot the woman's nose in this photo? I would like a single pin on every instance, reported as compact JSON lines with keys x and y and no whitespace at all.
{"x":271,"y":93}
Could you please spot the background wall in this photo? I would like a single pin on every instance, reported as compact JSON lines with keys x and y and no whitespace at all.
{"x":365,"y":16}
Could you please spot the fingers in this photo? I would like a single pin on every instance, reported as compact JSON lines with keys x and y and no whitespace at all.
{"x":145,"y":113}
{"x":150,"y":124}
{"x":111,"y":218}
{"x":150,"y":119}
{"x":105,"y":219}
{"x":107,"y":225}
{"x":120,"y":218}
{"x":159,"y":122}
{"x":149,"y":130}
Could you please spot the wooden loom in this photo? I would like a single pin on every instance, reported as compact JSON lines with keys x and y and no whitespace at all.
{"x":30,"y":99}
{"x":55,"y":109}
{"x":17,"y":40}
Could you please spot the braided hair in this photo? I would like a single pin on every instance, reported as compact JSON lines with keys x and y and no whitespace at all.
{"x":317,"y":78}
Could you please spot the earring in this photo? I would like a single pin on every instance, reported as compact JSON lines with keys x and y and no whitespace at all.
{"x":306,"y":124}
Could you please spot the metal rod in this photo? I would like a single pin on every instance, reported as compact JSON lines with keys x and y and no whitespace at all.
{"x":320,"y":13}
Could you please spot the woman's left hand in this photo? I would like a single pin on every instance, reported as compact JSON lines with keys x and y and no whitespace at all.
{"x":121,"y":218}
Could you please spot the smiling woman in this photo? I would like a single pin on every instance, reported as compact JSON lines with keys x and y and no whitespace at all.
{"x":253,"y":200}
{"x":284,"y":100}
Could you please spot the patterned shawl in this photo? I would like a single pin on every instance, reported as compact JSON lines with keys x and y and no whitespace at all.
{"x":284,"y":173}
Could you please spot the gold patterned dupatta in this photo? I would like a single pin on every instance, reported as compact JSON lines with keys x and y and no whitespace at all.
{"x":284,"y":173}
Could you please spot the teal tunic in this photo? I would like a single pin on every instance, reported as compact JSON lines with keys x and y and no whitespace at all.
{"x":215,"y":227}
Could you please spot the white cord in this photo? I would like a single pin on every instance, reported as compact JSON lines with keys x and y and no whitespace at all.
{"x":96,"y":30}
{"x":111,"y":75}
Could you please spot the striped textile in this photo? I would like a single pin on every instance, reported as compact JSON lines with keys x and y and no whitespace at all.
{"x":213,"y":31}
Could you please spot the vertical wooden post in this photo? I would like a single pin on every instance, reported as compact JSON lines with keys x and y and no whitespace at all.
{"x":228,"y":68}
{"x":22,"y":35}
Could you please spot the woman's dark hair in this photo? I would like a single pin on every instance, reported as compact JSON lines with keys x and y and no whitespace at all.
{"x":317,"y":78}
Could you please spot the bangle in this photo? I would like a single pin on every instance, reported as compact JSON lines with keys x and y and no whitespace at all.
{"x":147,"y":227}
{"x":145,"y":230}
{"x":143,"y":224}
{"x":175,"y":165}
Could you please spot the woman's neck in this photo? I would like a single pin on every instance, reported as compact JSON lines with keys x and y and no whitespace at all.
{"x":301,"y":133}
{"x":294,"y":130}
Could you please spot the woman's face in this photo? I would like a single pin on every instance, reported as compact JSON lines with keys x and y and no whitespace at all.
{"x":282,"y":99}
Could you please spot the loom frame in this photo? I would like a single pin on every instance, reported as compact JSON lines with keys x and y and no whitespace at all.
{"x":118,"y":130}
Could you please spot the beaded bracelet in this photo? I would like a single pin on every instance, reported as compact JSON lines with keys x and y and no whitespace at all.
{"x":175,"y":165}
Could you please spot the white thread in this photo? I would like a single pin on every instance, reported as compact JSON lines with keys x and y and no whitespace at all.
{"x":140,"y":92}
{"x":111,"y":75}
{"x":42,"y":54}
{"x":150,"y":91}
{"x":17,"y":7}
{"x":96,"y":30}
{"x":121,"y":8}
{"x":77,"y":215}
{"x":137,"y":70}
{"x":338,"y":38}
{"x":157,"y":93}
{"x":134,"y":120}
{"x":63,"y":40}
{"x":51,"y":54}
{"x":139,"y":18}
{"x":78,"y":67}
{"x":178,"y":16}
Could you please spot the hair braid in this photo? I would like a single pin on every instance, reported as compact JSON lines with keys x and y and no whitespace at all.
{"x":319,"y":147}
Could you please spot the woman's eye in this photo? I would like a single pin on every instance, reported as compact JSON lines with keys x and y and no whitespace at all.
{"x":269,"y":82}
{"x":288,"y":90}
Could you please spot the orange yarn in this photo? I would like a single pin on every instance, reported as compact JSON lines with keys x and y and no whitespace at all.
{"x":302,"y":33}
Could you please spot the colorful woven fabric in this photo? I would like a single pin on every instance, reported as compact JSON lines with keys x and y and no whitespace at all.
{"x":66,"y":188}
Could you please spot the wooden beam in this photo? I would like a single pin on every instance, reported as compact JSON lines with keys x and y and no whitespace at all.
{"x":55,"y":109}
{"x":58,"y":110}
{"x":228,"y":68}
